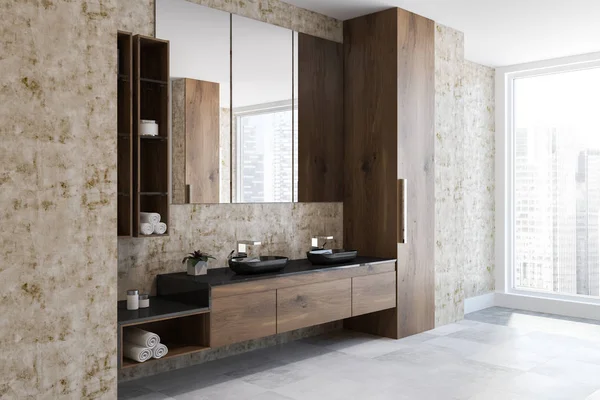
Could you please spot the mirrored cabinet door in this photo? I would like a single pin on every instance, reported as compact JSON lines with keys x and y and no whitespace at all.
{"x":263,"y":113}
{"x":201,"y":106}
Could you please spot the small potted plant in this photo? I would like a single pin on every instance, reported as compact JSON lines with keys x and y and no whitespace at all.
{"x":197,"y":263}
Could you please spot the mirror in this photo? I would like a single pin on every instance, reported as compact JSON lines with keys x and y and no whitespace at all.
{"x":241,"y":90}
{"x":263,"y":112}
{"x":200,"y":100}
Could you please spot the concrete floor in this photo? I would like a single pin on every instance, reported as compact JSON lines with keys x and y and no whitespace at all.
{"x":493,"y":354}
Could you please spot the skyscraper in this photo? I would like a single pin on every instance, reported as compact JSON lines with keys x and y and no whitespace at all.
{"x":588,"y":227}
{"x":545,"y":211}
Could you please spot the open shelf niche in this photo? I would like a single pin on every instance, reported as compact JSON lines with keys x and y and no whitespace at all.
{"x":151,"y":153}
{"x":181,"y":334}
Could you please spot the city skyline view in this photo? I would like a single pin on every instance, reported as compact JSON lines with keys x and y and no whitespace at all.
{"x":557,"y":182}
{"x":268,"y":165}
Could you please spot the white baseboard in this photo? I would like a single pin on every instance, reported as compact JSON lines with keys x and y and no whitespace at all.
{"x":480,"y":302}
{"x":567,"y":308}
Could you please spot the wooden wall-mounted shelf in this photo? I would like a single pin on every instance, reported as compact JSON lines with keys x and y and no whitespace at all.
{"x":184,"y":329}
{"x":124,"y":134}
{"x":151,"y":153}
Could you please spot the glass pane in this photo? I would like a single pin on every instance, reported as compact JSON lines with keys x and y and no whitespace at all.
{"x":262,"y":85}
{"x":557,"y":182}
{"x":200,"y":100}
{"x":265,"y":157}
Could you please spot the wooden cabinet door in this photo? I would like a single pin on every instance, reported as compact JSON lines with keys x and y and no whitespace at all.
{"x":373,"y":293}
{"x":238,"y":318}
{"x":317,"y":303}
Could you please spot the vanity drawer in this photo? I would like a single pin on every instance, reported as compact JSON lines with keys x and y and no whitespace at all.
{"x":317,"y":303}
{"x":373,"y":293}
{"x":238,"y":318}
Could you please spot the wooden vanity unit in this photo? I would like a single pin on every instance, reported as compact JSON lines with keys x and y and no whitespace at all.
{"x":223,"y":308}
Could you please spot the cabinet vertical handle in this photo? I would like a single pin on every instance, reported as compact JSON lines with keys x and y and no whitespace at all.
{"x":402,"y":210}
{"x":188,"y":194}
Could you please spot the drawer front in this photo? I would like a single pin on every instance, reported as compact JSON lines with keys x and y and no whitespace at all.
{"x":317,"y":303}
{"x":239,"y":318}
{"x":373,"y":293}
{"x":302,"y":279}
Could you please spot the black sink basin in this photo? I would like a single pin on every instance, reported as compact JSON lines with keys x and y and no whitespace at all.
{"x":257,"y":265}
{"x":335,"y":256}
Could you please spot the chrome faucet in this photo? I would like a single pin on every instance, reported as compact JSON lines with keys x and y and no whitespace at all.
{"x":242,"y":250}
{"x":315,"y":241}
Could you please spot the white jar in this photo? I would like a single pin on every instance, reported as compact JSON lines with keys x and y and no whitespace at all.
{"x":133,"y":301}
{"x":144,"y":301}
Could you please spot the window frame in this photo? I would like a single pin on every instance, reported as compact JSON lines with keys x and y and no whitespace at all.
{"x":505,"y":176}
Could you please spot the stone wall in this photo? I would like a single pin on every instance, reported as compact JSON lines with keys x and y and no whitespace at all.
{"x":138,"y":16}
{"x":464,"y":170}
{"x":58,"y":270}
{"x":479,"y":183}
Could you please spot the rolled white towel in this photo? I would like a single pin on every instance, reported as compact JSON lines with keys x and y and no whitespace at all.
{"x":160,"y":228}
{"x":146,"y":228}
{"x":141,"y":337}
{"x":160,"y":351}
{"x":136,"y":353}
{"x":150,"y":218}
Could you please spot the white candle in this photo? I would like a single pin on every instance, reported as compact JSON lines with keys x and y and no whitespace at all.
{"x":144,"y":301}
{"x":133,"y":302}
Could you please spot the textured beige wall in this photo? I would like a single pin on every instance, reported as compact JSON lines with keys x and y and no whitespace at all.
{"x":284,"y":229}
{"x":138,"y":16}
{"x":479,"y":182}
{"x":449,"y":175}
{"x":58,"y":269}
{"x":464,"y":170}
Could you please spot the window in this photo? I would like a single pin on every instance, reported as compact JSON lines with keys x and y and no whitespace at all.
{"x":266,"y":162}
{"x":554,"y":157}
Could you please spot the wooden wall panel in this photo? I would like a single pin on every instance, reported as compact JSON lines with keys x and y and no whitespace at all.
{"x":202,"y":140}
{"x":416,"y":116}
{"x":320,"y":120}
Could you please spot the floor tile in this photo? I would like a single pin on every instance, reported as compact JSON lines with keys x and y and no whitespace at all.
{"x":447,"y":329}
{"x":498,"y":394}
{"x":547,"y":388}
{"x":460,"y":347}
{"x":486,"y":334}
{"x":132,"y":390}
{"x":234,"y":389}
{"x":270,"y":396}
{"x":272,"y":376}
{"x":574,"y":370}
{"x":505,"y":357}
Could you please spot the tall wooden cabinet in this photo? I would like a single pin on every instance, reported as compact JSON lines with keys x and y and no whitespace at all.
{"x":389,"y":99}
{"x":143,"y":161}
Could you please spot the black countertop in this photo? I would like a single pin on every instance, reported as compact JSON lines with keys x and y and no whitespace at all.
{"x":225,"y":276}
{"x":160,"y":308}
